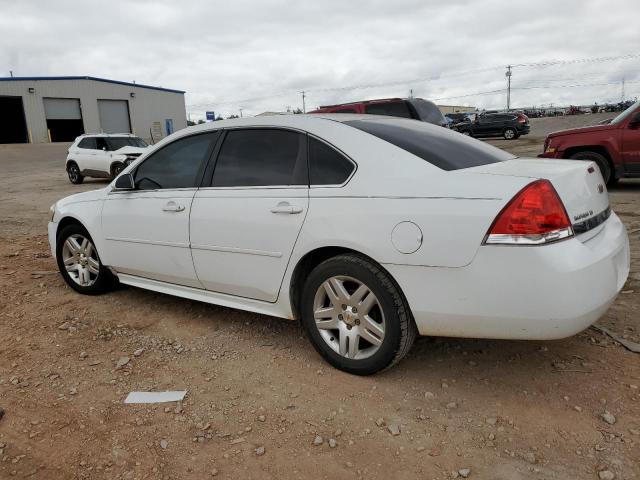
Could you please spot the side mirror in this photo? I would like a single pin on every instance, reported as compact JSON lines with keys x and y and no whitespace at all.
{"x":125,"y":182}
{"x":635,"y":120}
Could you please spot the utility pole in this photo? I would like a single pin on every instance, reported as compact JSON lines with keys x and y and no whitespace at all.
{"x":11,"y":73}
{"x":241,"y":112}
{"x":622,"y":93}
{"x":304,"y":107}
{"x":508,"y":75}
{"x":411,"y":93}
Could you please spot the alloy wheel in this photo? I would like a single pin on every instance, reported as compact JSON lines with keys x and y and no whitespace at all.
{"x":509,"y":134}
{"x":349,"y":317}
{"x":80,"y":260}
{"x":74,"y":173}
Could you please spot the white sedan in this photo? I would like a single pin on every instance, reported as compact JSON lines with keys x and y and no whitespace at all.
{"x":369,"y":229}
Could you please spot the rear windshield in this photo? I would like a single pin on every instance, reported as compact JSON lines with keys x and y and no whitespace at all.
{"x":439,"y":146}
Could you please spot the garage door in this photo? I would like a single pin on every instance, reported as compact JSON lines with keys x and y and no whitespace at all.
{"x":114,"y":116}
{"x":64,"y":118}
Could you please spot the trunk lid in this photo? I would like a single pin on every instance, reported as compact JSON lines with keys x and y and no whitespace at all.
{"x":579,"y":184}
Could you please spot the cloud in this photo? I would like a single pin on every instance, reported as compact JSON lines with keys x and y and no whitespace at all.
{"x":258,"y":55}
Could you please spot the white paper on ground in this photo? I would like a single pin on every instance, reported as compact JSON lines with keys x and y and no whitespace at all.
{"x":155,"y":397}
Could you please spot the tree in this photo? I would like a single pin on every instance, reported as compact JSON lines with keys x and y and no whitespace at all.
{"x":297,"y":111}
{"x":233,"y":116}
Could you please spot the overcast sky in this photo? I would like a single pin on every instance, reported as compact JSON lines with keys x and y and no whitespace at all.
{"x":257,"y":55}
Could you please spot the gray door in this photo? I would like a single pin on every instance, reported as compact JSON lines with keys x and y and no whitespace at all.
{"x":114,"y":116}
{"x":64,"y":118}
{"x":62,"y":108}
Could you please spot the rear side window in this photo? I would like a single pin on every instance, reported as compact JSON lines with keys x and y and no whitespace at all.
{"x":89,"y":142}
{"x":261,"y":157}
{"x":393,"y":109}
{"x":177,"y":165}
{"x":439,"y":146}
{"x":326,"y":165}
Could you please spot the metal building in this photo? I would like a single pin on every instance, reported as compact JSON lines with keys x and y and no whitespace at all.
{"x":58,"y":109}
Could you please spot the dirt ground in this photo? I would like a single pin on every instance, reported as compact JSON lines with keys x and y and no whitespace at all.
{"x":501,"y":409}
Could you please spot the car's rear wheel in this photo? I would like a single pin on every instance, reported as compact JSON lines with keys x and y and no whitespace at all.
{"x":73,"y":171}
{"x":79,"y":262}
{"x":510,"y":134}
{"x":355,"y":315}
{"x":600,"y":160}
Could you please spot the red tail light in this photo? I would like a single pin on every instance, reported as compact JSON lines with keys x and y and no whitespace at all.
{"x":534,"y":216}
{"x":522,"y":119}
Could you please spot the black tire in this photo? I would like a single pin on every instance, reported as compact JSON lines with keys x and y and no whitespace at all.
{"x":103,"y":282}
{"x":73,"y":172}
{"x":117,"y":168}
{"x":601,"y":161}
{"x":399,"y":328}
{"x":510,"y":134}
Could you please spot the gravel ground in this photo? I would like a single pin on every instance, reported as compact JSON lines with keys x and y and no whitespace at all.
{"x":262,"y":404}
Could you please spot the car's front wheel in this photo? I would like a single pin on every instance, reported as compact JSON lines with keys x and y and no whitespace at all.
{"x":79,"y":262}
{"x":73,"y":172}
{"x":355,"y":315}
{"x":117,"y":168}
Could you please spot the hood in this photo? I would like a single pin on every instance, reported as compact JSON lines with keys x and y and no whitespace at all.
{"x":590,"y":128}
{"x":127,"y":150}
{"x":89,"y":196}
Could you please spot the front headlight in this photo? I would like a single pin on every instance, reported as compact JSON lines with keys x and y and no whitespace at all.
{"x":52,"y":212}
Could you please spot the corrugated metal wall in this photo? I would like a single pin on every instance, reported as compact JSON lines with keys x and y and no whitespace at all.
{"x":146,"y":107}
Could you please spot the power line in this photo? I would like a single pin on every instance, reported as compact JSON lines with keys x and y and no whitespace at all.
{"x":578,"y":60}
{"x":431,"y":78}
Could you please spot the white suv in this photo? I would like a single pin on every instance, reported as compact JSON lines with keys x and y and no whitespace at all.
{"x":102,"y":155}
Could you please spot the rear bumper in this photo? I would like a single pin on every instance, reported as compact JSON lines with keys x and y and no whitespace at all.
{"x":524,"y":130}
{"x":529,"y":293}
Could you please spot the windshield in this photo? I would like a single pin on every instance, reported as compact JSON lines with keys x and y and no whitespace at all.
{"x":116,"y":143}
{"x":626,"y":113}
{"x":439,"y":146}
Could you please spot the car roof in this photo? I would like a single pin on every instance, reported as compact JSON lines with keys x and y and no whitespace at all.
{"x":364,"y":102}
{"x":299,"y":121}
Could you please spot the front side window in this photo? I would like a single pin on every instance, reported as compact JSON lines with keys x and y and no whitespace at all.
{"x":326,"y":165}
{"x":89,"y":142}
{"x":261,"y":157}
{"x":101,"y":143}
{"x":177,"y":165}
{"x":393,"y":109}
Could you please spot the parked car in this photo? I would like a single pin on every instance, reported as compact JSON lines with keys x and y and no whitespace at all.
{"x":102,"y":155}
{"x":369,"y":229}
{"x":507,"y":125}
{"x":416,"y":108}
{"x":456,"y":118}
{"x":614,"y":146}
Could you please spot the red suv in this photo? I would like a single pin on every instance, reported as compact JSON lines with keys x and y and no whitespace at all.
{"x":615,"y":146}
{"x":416,"y":108}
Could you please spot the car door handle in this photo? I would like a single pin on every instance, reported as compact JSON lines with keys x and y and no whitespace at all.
{"x":173,"y":207}
{"x":286,"y":207}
